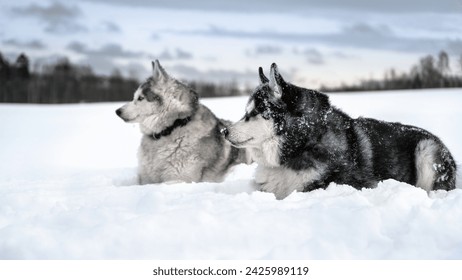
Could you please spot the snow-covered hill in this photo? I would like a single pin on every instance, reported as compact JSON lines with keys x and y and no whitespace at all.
{"x":67,"y":191}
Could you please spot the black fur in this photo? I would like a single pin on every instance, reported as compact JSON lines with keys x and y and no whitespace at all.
{"x":358,"y":152}
{"x":263,"y":78}
{"x":146,"y":90}
{"x":168,"y":130}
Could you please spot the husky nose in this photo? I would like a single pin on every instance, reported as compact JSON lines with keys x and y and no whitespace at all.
{"x":118,"y":112}
{"x":224,"y":131}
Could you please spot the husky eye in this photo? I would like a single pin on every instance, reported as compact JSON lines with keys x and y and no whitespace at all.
{"x":140,"y":98}
{"x":250,"y":115}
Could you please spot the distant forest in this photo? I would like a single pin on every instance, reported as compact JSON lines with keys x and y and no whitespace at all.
{"x":430,"y":72}
{"x":64,"y":82}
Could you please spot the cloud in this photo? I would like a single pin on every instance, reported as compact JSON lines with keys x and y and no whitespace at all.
{"x":382,"y":37}
{"x":301,"y":7}
{"x":155,"y":37}
{"x":190,"y":73}
{"x":109,"y":50}
{"x":181,"y":54}
{"x":77,"y":47}
{"x":359,"y":35}
{"x":111,"y":27}
{"x":165,"y":55}
{"x":342,"y":55}
{"x":113,"y":50}
{"x":455,"y":47}
{"x":249,"y":77}
{"x":104,"y":59}
{"x":176,"y":54}
{"x":32,"y":44}
{"x":261,"y":50}
{"x":107,"y":66}
{"x":58,"y":18}
{"x":268,"y":49}
{"x":313,"y":56}
{"x":363,"y":29}
{"x":216,"y":31}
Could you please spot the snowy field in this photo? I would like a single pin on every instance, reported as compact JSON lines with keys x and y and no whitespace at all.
{"x":68,"y":191}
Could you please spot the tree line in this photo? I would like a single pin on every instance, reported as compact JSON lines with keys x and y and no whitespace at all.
{"x":64,"y":82}
{"x":429,"y":72}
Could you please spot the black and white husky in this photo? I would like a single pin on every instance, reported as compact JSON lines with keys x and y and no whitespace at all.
{"x":181,"y":137}
{"x":303,"y":143}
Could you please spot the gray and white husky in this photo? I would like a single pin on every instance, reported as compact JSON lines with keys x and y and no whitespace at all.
{"x":303,"y":143}
{"x":181,"y":137}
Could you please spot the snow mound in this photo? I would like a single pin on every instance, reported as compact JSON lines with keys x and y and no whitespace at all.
{"x":92,"y":218}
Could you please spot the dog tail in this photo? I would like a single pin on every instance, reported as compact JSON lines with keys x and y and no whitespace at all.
{"x":435,"y":167}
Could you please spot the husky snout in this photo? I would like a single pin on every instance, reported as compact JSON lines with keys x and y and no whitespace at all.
{"x":123,"y":113}
{"x":235,"y":136}
{"x":120,"y":113}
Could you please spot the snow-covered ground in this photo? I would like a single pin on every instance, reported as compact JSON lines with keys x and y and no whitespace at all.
{"x":67,"y":191}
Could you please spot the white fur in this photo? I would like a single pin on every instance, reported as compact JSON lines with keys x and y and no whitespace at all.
{"x":183,"y":155}
{"x":264,"y":149}
{"x":425,"y":159}
{"x":250,"y":106}
{"x":131,"y":110}
{"x":283,"y":181}
{"x":277,"y":91}
{"x":258,"y":135}
{"x":267,"y":154}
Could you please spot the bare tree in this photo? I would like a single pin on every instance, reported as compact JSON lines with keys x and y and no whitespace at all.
{"x":443,"y":67}
{"x":22,"y":67}
{"x":5,"y":68}
{"x":443,"y":63}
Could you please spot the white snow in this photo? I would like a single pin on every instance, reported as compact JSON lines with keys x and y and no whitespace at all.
{"x":68,"y":191}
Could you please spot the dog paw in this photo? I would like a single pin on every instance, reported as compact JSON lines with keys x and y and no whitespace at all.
{"x":266,"y":187}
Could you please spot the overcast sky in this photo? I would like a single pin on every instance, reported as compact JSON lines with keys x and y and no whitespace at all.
{"x":313,"y":42}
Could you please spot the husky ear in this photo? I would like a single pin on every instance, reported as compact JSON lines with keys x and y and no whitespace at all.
{"x":276,"y":81}
{"x":158,"y":72}
{"x":263,"y":78}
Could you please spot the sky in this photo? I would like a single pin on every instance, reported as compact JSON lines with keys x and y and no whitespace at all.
{"x":313,"y":42}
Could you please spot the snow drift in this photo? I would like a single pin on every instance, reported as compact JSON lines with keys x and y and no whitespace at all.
{"x":68,"y":191}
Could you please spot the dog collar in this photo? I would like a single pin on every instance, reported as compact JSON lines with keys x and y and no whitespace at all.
{"x":167,"y":131}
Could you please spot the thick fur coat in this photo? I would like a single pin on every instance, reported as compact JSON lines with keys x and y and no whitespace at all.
{"x":301,"y":142}
{"x":181,"y":138}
